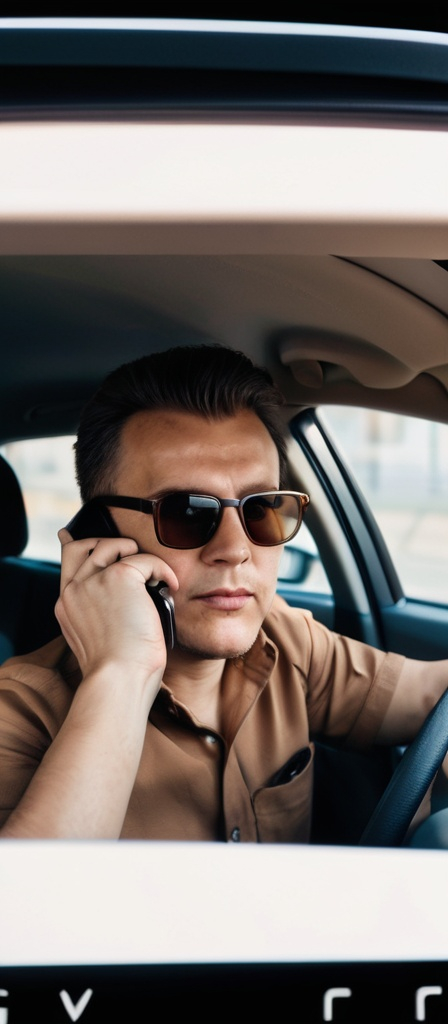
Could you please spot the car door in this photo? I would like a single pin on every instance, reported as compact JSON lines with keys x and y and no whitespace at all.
{"x":365,"y":595}
{"x":362,"y":596}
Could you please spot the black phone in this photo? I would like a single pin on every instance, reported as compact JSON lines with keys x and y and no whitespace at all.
{"x":95,"y":520}
{"x":294,"y":766}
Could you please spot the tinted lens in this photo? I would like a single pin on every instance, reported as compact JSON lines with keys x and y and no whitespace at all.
{"x":271,"y":518}
{"x":187,"y":520}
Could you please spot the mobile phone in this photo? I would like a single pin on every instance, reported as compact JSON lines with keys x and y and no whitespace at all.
{"x":95,"y":520}
{"x":294,"y":766}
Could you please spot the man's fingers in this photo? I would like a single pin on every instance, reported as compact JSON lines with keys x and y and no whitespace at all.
{"x":64,"y":536}
{"x":85,"y":558}
{"x":76,"y":555}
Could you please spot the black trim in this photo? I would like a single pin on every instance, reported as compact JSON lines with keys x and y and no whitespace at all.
{"x":133,"y":93}
{"x":329,"y":50}
{"x":382,"y":551}
{"x":375,"y":566}
{"x":102,"y":71}
{"x":378,"y":990}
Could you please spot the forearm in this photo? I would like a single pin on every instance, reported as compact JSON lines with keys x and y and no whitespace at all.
{"x":419,"y":687}
{"x":84,"y":782}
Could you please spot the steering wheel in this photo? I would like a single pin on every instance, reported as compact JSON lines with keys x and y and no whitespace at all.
{"x":409,"y":783}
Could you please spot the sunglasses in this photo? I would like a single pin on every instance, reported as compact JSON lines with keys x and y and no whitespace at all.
{"x":183,"y":520}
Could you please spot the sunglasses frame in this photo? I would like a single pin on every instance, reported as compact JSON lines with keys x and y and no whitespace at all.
{"x":151,"y":506}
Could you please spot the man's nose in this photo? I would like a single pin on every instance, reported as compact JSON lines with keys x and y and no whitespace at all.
{"x":229,"y":543}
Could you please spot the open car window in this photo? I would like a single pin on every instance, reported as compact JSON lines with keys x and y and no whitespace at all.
{"x":401,"y":466}
{"x":45,"y":470}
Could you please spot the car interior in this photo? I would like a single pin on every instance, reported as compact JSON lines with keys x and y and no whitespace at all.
{"x":332,"y":330}
{"x":280,"y":188}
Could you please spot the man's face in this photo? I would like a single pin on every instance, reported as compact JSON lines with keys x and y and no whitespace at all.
{"x":225,"y":587}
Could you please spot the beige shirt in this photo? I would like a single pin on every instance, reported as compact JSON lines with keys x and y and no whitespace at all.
{"x":299,"y":681}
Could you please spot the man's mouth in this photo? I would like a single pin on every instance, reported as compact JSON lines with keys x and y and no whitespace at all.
{"x":226,"y":600}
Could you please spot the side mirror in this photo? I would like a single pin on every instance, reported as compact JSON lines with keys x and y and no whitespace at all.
{"x":296,"y":564}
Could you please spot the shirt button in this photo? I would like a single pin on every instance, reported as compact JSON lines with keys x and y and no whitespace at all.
{"x":235,"y":835}
{"x":210,"y":739}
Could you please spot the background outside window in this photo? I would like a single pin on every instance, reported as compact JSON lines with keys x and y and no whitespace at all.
{"x":400,"y":463}
{"x":46,"y":470}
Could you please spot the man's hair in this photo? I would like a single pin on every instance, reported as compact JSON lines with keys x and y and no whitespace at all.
{"x":207,"y":380}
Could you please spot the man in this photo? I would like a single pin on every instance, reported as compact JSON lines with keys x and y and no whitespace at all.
{"x":104,"y":733}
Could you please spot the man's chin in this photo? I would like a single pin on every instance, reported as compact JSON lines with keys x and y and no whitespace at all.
{"x":217,"y":650}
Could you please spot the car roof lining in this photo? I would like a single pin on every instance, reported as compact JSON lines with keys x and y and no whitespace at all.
{"x":114,"y":188}
{"x":68,"y":320}
{"x":119,"y":239}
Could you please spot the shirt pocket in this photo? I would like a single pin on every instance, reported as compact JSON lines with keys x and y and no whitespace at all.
{"x":283,"y":812}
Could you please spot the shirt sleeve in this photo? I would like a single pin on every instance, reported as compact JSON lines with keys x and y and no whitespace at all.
{"x":348,"y":684}
{"x":34,"y":700}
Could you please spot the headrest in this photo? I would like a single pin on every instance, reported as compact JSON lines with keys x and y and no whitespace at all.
{"x":13,"y":521}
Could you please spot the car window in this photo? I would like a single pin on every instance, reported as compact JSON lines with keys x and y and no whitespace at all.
{"x":301,"y":566}
{"x":401,"y":466}
{"x":45,"y":469}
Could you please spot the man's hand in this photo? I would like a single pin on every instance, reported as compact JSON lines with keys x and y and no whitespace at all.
{"x":84,"y":782}
{"x":104,"y":610}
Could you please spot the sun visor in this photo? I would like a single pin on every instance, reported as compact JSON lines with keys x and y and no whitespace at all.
{"x":315,"y":358}
{"x":396,"y":359}
{"x":333,"y":370}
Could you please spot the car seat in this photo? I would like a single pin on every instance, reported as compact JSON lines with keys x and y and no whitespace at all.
{"x":28,"y":587}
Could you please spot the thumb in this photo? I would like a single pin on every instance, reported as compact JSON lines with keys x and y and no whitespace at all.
{"x":64,"y":536}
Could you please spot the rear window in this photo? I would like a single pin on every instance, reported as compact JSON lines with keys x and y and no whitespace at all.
{"x":45,"y":469}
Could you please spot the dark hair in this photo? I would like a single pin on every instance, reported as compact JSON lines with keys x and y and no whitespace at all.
{"x":209,"y":380}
